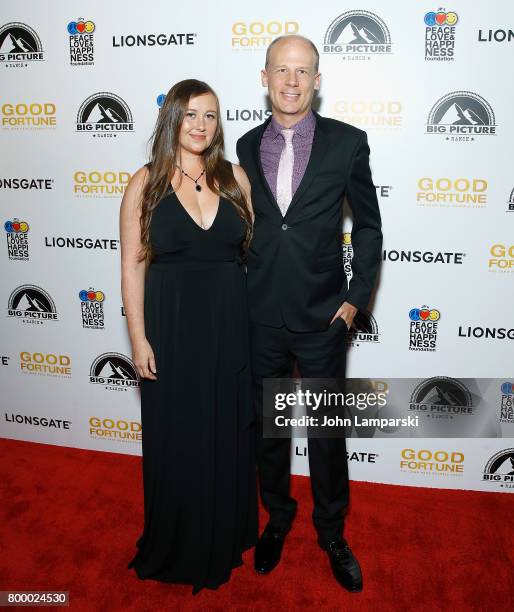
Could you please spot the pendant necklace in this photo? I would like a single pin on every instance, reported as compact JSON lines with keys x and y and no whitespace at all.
{"x":197,"y":186}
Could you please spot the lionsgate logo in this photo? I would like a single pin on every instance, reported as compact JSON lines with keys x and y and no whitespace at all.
{"x":364,"y":329}
{"x":500,"y":469}
{"x":92,"y":308}
{"x":154,"y":40}
{"x":27,"y":184}
{"x":17,"y":232}
{"x":82,"y":44}
{"x":115,"y":371}
{"x":104,"y":115}
{"x":423,"y":257}
{"x":31,"y":304}
{"x":247,"y":114}
{"x":507,"y":403}
{"x":19,"y":44}
{"x":461,"y":116}
{"x":357,"y":35}
{"x":441,"y":397}
{"x":423,"y":328}
{"x":440,"y":35}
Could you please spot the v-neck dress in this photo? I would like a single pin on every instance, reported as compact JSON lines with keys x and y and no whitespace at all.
{"x":198,"y":439}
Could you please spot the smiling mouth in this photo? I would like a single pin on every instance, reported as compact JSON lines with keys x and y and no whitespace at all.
{"x":290,"y":96}
{"x":198,"y":136}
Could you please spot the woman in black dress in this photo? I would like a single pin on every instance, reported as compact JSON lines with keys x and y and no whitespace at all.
{"x":185,"y":222}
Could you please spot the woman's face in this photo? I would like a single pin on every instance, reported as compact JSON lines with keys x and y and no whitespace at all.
{"x":199,"y":124}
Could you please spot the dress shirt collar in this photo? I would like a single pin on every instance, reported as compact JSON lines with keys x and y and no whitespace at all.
{"x":304,"y":127}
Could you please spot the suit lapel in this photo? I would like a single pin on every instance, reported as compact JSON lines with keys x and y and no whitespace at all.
{"x":319,"y":148}
{"x":256,"y":152}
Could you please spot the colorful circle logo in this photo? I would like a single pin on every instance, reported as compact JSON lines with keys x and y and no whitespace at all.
{"x":441,"y":18}
{"x":160,"y":100}
{"x":424,"y":314}
{"x":16,"y":226}
{"x":79,"y":27}
{"x":91,"y":296}
{"x":507,"y":388}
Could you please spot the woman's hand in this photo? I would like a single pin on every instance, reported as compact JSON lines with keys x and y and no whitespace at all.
{"x":144,"y":359}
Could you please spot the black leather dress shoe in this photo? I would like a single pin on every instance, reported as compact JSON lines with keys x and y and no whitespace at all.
{"x":345,"y":566}
{"x":269,"y":549}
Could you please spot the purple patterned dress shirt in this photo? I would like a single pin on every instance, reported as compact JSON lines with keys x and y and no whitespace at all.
{"x":272,"y":144}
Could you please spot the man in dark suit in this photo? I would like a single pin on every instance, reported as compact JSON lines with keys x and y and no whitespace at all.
{"x":301,"y":166}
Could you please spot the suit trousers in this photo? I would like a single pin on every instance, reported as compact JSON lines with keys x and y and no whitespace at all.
{"x":319,"y":354}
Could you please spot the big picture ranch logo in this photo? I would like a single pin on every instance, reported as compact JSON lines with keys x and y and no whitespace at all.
{"x":19,"y":43}
{"x":115,"y":371}
{"x":31,"y":304}
{"x":355,"y":34}
{"x":461,"y":115}
{"x":104,"y":114}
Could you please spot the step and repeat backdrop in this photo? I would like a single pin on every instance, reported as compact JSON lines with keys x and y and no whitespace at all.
{"x":432,"y":86}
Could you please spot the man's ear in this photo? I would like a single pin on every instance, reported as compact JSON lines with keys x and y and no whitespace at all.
{"x":264,"y":78}
{"x":317,"y":81}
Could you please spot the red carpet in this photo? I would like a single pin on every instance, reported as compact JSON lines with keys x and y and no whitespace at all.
{"x":69,"y":520}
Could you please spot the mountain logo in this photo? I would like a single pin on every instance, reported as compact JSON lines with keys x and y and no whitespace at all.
{"x":461,"y":113}
{"x":19,"y":43}
{"x":510,"y":203}
{"x":114,"y":370}
{"x":500,"y":468}
{"x":364,"y":328}
{"x":357,"y":33}
{"x":441,"y":397}
{"x":104,"y":114}
{"x":32,"y":304}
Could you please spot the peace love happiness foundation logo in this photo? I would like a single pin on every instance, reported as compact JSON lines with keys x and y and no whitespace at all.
{"x":423,"y":328}
{"x":81,"y":39}
{"x":92,"y":308}
{"x":507,"y":402}
{"x":440,"y":35}
{"x":17,"y":239}
{"x":19,"y":43}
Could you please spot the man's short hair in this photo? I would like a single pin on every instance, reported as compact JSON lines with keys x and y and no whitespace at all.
{"x":285,"y":36}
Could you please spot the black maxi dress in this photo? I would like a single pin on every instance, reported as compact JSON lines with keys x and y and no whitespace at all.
{"x":198,"y":438}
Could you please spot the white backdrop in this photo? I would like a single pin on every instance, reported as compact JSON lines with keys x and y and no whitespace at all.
{"x":439,"y":128}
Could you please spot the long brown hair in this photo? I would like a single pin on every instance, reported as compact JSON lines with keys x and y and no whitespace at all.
{"x":164,"y":156}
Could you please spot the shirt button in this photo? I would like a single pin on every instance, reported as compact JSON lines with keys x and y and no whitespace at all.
{"x":284,"y":226}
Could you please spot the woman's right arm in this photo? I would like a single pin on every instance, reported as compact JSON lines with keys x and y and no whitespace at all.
{"x":133,"y":275}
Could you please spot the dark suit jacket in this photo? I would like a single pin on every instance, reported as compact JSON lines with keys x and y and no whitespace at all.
{"x":295,"y":263}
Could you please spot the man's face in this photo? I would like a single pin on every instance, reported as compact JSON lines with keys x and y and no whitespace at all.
{"x":291,"y":77}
